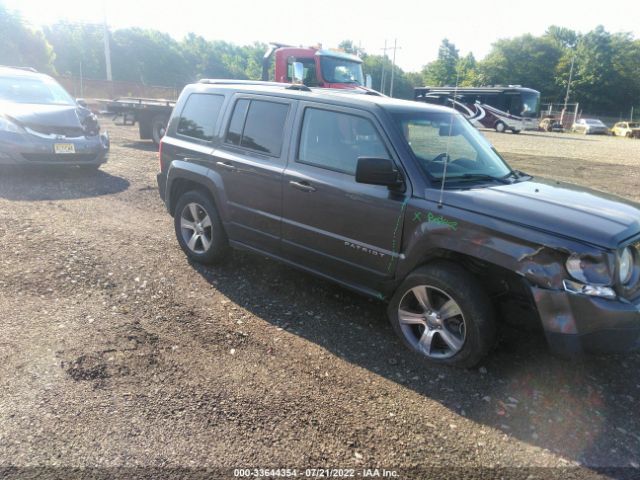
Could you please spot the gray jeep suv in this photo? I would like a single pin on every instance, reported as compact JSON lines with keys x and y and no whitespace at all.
{"x":407,"y":203}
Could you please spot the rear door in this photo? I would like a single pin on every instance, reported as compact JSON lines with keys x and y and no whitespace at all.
{"x":251,"y":160}
{"x":332,"y":224}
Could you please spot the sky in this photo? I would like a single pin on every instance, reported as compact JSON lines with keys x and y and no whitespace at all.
{"x":418,"y":26}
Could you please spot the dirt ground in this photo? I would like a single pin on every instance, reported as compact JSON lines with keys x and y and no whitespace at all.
{"x":120,"y":358}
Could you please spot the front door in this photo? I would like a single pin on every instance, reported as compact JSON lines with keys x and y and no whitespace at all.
{"x":347,"y":230}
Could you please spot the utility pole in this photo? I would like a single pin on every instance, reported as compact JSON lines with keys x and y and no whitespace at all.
{"x":107,"y":47}
{"x":566,"y":97}
{"x":384,"y":57}
{"x":393,"y":66}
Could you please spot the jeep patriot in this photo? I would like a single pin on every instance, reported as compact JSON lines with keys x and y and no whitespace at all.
{"x":405,"y":202}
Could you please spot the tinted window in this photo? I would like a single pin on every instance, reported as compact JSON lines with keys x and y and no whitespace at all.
{"x":264,"y":127}
{"x":199,"y":115}
{"x":234,"y":135}
{"x":335,"y":140}
{"x":258,"y":125}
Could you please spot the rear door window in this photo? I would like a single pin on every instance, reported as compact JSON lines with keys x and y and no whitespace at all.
{"x":199,"y":116}
{"x":258,"y":125}
{"x":335,"y":140}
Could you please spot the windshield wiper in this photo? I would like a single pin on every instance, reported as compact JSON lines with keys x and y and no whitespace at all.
{"x":479,"y":176}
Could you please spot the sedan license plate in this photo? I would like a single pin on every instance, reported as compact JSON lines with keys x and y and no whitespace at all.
{"x":64,"y":148}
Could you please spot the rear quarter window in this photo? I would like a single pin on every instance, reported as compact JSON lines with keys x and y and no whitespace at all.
{"x":199,"y":116}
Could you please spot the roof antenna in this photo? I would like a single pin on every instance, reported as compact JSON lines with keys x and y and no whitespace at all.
{"x":446,"y":157}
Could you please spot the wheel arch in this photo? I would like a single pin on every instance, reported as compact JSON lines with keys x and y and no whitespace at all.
{"x":184,"y":176}
{"x":509,"y":292}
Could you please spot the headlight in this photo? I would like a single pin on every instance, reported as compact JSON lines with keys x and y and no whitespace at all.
{"x":7,"y":125}
{"x":588,"y":270}
{"x":625,"y":265}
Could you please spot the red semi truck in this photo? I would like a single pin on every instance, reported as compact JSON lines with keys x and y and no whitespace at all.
{"x":321,"y":68}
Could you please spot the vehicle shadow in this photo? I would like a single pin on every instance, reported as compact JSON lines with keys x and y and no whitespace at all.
{"x":583,"y":409}
{"x":54,"y":183}
{"x":147,"y":146}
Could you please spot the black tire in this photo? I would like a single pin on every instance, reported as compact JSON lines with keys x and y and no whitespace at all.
{"x":218,"y":248}
{"x":500,"y":127}
{"x":158,"y":128}
{"x":475,"y":306}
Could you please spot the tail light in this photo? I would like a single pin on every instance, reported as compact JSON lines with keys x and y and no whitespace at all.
{"x":160,"y":155}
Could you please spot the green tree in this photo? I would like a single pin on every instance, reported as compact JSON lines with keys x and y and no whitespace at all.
{"x":526,"y":60}
{"x":77,"y":47}
{"x":149,"y":57}
{"x":22,"y":46}
{"x":564,"y":37}
{"x":348,"y":46}
{"x":443,"y":71}
{"x":468,"y":71}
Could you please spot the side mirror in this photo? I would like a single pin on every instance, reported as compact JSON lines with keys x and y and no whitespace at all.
{"x":81,"y":102}
{"x":298,"y":72}
{"x":368,"y":81}
{"x":377,"y":171}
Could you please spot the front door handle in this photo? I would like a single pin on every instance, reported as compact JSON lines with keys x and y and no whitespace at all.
{"x":227,"y":166}
{"x":304,"y":186}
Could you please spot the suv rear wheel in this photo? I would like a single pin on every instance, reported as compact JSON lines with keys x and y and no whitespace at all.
{"x":441,"y":312}
{"x":198,"y":228}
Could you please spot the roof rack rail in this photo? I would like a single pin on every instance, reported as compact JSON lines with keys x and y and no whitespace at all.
{"x":228,"y":81}
{"x":300,"y":87}
{"x":26,"y":69}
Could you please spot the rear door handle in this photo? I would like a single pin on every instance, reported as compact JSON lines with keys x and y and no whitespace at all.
{"x":227,"y":166}
{"x":304,"y":186}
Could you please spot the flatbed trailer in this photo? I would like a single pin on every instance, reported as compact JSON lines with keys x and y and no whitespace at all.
{"x":151,"y":114}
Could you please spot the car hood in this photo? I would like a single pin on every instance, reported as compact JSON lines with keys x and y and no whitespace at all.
{"x":558,"y":208}
{"x":50,"y":115}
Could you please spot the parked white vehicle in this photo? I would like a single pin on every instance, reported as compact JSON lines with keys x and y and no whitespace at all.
{"x":590,"y":126}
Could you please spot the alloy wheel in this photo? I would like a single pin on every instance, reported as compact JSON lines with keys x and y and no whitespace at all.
{"x":432,"y":322}
{"x":196,"y":228}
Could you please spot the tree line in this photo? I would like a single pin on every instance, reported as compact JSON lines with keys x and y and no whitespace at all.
{"x":605,"y":76}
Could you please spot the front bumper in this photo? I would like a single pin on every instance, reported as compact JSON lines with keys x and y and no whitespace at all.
{"x":28,"y":149}
{"x":575,"y":323}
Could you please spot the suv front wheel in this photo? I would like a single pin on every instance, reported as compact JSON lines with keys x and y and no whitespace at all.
{"x":441,"y":312}
{"x":198,"y":228}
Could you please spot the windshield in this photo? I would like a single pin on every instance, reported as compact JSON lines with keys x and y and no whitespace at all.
{"x":470,"y":156}
{"x":530,"y":104}
{"x":593,"y":122}
{"x":42,"y":91}
{"x":339,"y":70}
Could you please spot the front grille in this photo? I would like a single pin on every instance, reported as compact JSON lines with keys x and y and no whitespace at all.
{"x":60,"y":158}
{"x":71,"y":132}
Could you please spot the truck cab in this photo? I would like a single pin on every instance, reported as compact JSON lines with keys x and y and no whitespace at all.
{"x":322,"y":68}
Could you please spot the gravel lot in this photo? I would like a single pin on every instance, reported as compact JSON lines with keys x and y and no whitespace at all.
{"x":117,"y":352}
